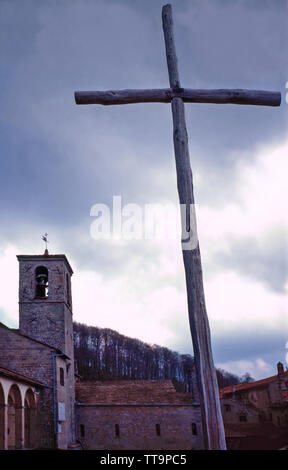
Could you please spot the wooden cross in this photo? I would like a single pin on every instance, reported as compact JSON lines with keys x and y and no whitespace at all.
{"x":213,"y":429}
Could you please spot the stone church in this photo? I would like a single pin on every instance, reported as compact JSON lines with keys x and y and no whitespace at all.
{"x":44,"y":404}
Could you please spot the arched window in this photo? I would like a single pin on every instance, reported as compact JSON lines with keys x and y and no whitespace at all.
{"x":41,"y":277}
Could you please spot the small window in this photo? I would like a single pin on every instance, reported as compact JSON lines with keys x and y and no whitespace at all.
{"x":194,"y":429}
{"x":61,"y":376}
{"x":68,"y":289}
{"x":278,"y":420}
{"x":82,"y":430}
{"x":243,"y":418}
{"x":117,"y":430}
{"x":158,"y":430}
{"x":227,"y":408}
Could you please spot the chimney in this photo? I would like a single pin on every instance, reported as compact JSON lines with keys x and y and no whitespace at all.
{"x":280,"y":368}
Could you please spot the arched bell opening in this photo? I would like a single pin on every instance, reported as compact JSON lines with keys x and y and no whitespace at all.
{"x":41,"y":278}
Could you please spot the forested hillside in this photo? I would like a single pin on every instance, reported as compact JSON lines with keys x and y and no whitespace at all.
{"x":104,"y":354}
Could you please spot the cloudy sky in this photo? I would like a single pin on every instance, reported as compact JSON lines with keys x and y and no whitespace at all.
{"x":59,"y":159}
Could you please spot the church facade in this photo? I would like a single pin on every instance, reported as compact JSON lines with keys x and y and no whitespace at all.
{"x":40,"y":354}
{"x":43,"y":405}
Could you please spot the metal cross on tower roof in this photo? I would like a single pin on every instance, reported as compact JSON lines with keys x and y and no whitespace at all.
{"x":45,"y":239}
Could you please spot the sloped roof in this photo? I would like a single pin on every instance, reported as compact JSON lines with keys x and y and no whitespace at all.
{"x":19,"y":377}
{"x":252,"y":429}
{"x":258,"y":383}
{"x":130,"y":392}
{"x":258,"y":436}
{"x":17,"y":332}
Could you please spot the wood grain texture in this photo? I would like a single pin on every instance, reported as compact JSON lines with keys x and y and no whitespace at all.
{"x":165,"y":95}
{"x":213,"y":428}
{"x":199,"y":325}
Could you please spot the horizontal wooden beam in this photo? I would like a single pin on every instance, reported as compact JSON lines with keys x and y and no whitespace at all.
{"x":165,"y":95}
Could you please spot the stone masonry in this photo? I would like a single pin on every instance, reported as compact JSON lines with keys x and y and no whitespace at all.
{"x":137,"y":414}
{"x":115,"y":415}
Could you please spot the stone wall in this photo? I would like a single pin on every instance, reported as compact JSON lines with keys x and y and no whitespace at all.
{"x":137,"y":427}
{"x":33,"y":360}
{"x":47,"y":319}
{"x":232,"y":410}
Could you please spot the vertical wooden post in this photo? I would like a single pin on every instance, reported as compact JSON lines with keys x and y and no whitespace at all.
{"x":213,"y":429}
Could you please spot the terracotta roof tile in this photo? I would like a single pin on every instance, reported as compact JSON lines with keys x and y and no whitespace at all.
{"x":21,"y":378}
{"x":252,"y":429}
{"x":258,"y":383}
{"x":130,"y":392}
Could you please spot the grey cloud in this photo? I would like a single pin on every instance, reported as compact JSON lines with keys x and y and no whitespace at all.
{"x":246,"y":345}
{"x":265,"y":260}
{"x":6,"y":320}
{"x":249,"y":345}
{"x":58,"y":159}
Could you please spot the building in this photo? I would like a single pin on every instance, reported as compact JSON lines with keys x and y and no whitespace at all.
{"x":40,"y":353}
{"x":255,"y":414}
{"x":16,"y":390}
{"x":140,"y":414}
{"x":38,"y":408}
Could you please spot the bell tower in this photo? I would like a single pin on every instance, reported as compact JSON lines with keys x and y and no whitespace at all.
{"x":45,"y":315}
{"x":45,"y":303}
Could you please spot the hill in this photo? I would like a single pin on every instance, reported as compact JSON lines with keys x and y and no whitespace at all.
{"x":105,"y":354}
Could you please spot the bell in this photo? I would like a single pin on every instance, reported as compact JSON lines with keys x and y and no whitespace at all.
{"x":42,"y":279}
